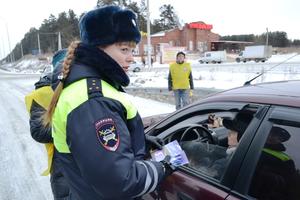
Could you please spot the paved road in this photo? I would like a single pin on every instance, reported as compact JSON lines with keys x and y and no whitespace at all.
{"x":21,"y":158}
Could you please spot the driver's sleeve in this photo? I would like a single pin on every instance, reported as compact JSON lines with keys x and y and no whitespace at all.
{"x":113,"y":173}
{"x":170,"y":84}
{"x":191,"y":81}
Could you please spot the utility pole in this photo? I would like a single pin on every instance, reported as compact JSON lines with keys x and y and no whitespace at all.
{"x":59,"y":41}
{"x":148,"y":37}
{"x":2,"y":54}
{"x":59,"y":44}
{"x":39,"y":45}
{"x":9,"y":47}
{"x":10,"y":53}
{"x":267,"y":39}
{"x":8,"y":40}
{"x":3,"y":47}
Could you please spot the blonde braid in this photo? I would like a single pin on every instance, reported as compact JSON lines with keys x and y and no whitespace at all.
{"x":47,"y":117}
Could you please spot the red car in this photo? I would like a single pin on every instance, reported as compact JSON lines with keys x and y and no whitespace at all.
{"x":264,"y":163}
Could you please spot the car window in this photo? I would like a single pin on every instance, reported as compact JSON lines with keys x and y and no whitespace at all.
{"x":277,"y":173}
{"x":209,"y":158}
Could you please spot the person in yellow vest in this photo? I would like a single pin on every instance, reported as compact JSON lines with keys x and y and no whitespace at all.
{"x":98,"y":133}
{"x":37,"y":103}
{"x":180,"y":80}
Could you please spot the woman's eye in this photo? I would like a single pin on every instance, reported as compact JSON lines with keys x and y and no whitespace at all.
{"x":124,"y":49}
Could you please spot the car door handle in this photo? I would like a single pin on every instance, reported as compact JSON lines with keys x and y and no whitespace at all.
{"x":183,"y":196}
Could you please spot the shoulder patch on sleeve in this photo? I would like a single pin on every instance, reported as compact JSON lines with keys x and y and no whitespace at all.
{"x":107,"y":134}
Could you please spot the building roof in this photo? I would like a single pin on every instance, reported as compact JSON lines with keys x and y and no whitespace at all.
{"x":232,"y":42}
{"x":159,"y":34}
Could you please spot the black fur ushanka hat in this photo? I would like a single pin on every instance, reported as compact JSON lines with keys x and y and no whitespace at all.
{"x":108,"y":25}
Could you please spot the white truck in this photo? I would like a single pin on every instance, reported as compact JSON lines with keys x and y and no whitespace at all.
{"x":255,"y":53}
{"x":213,"y":57}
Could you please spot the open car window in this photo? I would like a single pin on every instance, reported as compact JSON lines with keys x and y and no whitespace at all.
{"x":206,"y":146}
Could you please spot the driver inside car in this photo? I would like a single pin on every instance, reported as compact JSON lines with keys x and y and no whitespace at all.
{"x":212,"y":158}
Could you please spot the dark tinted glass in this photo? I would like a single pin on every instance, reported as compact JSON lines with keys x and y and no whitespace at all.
{"x":277,"y":175}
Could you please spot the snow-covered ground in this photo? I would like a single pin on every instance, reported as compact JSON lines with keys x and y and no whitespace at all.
{"x":217,"y":76}
{"x":225,"y":75}
{"x":22,"y":159}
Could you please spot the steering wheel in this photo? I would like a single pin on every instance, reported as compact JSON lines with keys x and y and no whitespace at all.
{"x":203,"y":134}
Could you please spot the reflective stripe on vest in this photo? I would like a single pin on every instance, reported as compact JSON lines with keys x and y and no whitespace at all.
{"x":70,"y":98}
{"x":278,"y":154}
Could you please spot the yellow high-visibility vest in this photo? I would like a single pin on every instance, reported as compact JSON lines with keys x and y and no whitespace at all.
{"x":180,"y":75}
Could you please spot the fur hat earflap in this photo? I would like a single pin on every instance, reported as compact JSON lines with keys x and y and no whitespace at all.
{"x":108,"y":25}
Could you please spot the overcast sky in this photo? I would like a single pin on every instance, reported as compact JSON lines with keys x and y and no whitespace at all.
{"x":227,"y":17}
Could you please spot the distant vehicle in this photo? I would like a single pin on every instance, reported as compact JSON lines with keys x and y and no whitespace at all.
{"x":136,"y":66}
{"x":213,"y":57}
{"x":255,"y":53}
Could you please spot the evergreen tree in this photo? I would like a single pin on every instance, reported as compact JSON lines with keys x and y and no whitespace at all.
{"x":276,"y":39}
{"x":141,"y":12}
{"x":156,"y":26}
{"x":101,"y":3}
{"x":296,"y":43}
{"x":68,"y":27}
{"x":246,"y":38}
{"x":168,"y":19}
{"x":29,"y":42}
{"x":167,"y":14}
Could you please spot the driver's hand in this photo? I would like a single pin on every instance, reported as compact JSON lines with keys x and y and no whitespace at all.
{"x":152,"y":140}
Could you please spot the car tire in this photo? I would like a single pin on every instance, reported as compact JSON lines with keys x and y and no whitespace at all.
{"x":137,"y":69}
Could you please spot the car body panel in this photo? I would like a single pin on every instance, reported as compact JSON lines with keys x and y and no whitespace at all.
{"x":279,"y":93}
{"x":136,"y":66}
{"x":179,"y":186}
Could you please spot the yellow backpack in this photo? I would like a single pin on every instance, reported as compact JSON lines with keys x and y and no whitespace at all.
{"x":43,"y":97}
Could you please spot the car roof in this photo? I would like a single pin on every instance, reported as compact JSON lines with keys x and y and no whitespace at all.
{"x":277,"y":93}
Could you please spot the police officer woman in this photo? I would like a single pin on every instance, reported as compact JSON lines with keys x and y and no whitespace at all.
{"x":97,"y":132}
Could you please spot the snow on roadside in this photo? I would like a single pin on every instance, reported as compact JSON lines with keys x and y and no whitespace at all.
{"x":216,"y":76}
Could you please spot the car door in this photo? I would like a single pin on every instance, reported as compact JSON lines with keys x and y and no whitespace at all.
{"x":272,"y":173}
{"x":190,"y":182}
